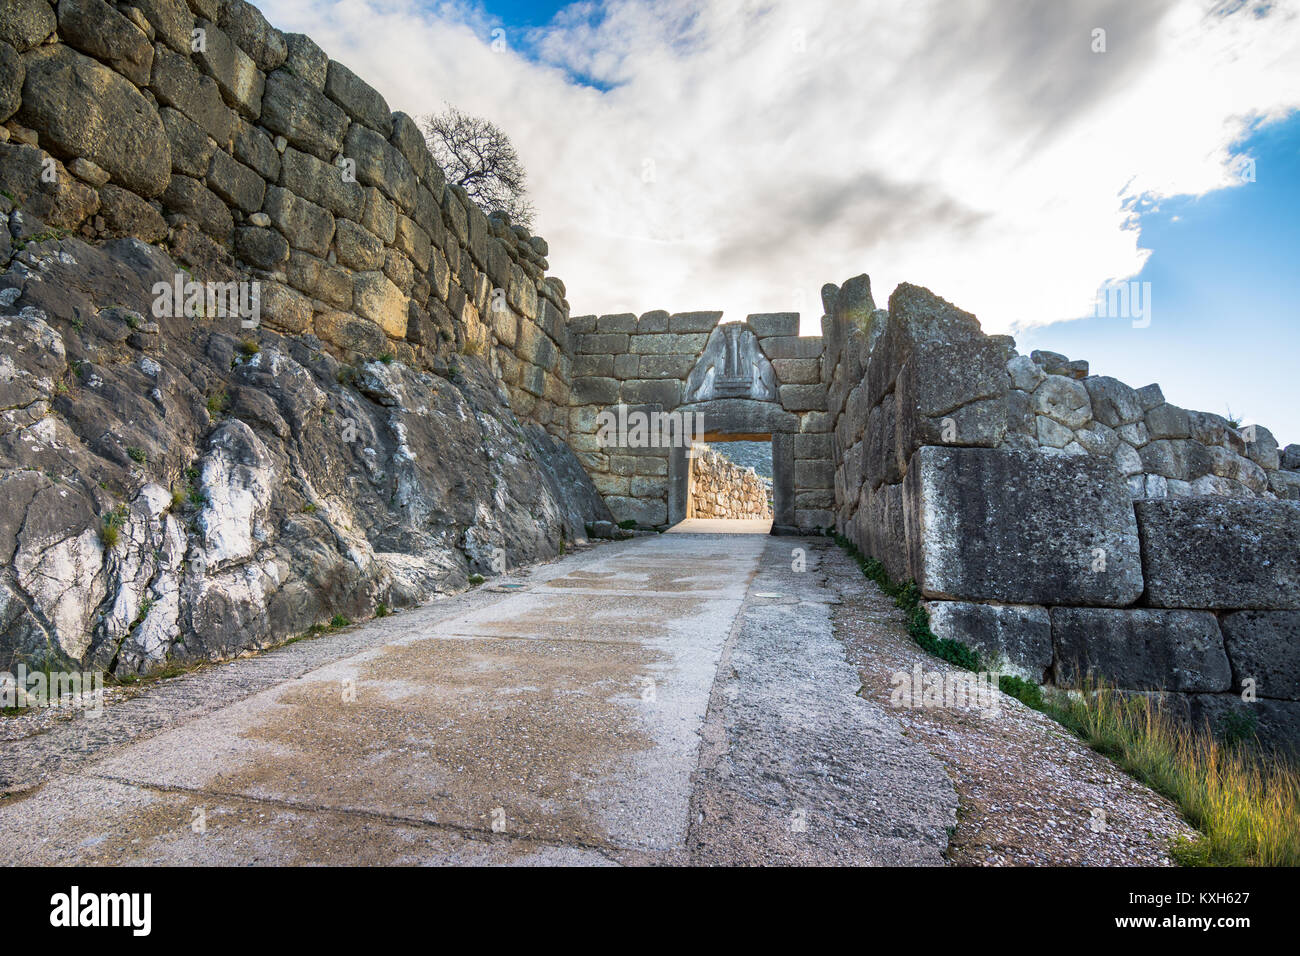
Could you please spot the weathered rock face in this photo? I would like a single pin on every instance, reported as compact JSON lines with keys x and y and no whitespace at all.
{"x":184,"y":489}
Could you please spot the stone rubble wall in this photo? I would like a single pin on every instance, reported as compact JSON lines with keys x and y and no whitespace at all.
{"x":259,"y":157}
{"x":720,"y":488}
{"x":1064,"y":524}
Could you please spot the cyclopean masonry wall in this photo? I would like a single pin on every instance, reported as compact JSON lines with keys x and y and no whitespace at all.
{"x":180,"y":487}
{"x":251,"y":154}
{"x":720,"y":488}
{"x":1065,"y":524}
{"x":756,"y":379}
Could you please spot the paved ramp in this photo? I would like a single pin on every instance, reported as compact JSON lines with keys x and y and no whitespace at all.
{"x":559,"y":720}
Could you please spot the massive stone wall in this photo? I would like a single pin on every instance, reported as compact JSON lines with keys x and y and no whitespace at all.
{"x":1061,"y":523}
{"x":179,"y":485}
{"x":249,"y":153}
{"x":720,"y":488}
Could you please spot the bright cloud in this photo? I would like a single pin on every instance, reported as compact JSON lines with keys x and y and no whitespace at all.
{"x":738,"y":155}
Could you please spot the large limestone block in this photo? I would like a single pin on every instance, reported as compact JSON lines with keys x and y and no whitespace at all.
{"x":247,"y":27}
{"x":358,"y":98}
{"x":1264,"y":647}
{"x":306,"y":225}
{"x":1214,"y":552}
{"x":25,"y":23}
{"x":1141,"y":649}
{"x":256,"y":150}
{"x":303,"y":115}
{"x":376,"y":298}
{"x":93,"y":27}
{"x":172,"y":20}
{"x":1015,"y":639}
{"x":1020,"y":527}
{"x":177,"y":83}
{"x":379,"y":164}
{"x":12,"y":74}
{"x":82,"y":108}
{"x":238,"y":77}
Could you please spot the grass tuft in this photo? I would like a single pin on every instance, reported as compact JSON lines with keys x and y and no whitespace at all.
{"x":1243,"y":799}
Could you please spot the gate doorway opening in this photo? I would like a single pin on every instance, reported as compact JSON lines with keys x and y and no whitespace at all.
{"x":728,"y":485}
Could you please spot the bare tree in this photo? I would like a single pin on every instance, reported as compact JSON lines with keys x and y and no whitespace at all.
{"x":478,"y":156}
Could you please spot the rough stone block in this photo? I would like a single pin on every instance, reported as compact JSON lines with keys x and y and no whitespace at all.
{"x":1213,"y":552}
{"x":201,"y":205}
{"x":126,"y":214}
{"x":26,"y":23}
{"x":1021,"y":528}
{"x":356,"y":248}
{"x":595,"y":391}
{"x":376,"y":298}
{"x":1012,"y":638}
{"x":379,"y":164}
{"x":1141,"y":649}
{"x":322,"y":183}
{"x":94,"y":27}
{"x":318,"y":279}
{"x":358,"y":98}
{"x":235,"y":183}
{"x":177,"y":84}
{"x":172,"y":21}
{"x":191,"y":148}
{"x":1275,"y":723}
{"x":1264,"y":646}
{"x":1063,"y":400}
{"x":305,"y":60}
{"x":595,"y":343}
{"x":623,"y":322}
{"x":798,"y":371}
{"x":693,"y":322}
{"x":283,"y":309}
{"x":646,"y":512}
{"x":774,"y":323}
{"x":82,"y":108}
{"x":261,"y":248}
{"x":247,"y":27}
{"x":303,"y":115}
{"x":802,"y":398}
{"x":666,"y":392}
{"x":306,"y":225}
{"x":1168,"y":421}
{"x":240,"y":81}
{"x":792,"y":347}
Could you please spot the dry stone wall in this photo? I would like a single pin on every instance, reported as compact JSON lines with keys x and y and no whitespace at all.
{"x":720,"y":488}
{"x":251,"y":154}
{"x":1066,"y":524}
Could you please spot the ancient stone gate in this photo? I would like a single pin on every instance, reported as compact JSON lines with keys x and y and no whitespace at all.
{"x":755,"y":380}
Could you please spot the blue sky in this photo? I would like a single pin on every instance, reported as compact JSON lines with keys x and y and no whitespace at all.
{"x":1225,"y":288}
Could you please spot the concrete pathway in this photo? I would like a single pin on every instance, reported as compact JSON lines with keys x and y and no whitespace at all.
{"x":668,"y":699}
{"x":722,"y":526}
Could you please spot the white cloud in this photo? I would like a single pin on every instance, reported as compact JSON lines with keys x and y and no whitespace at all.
{"x":978,"y":148}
